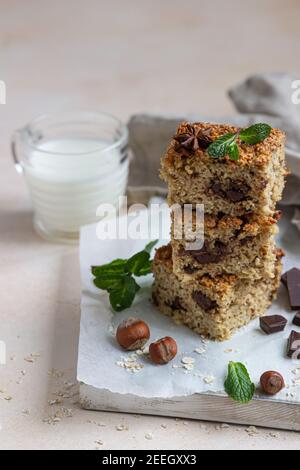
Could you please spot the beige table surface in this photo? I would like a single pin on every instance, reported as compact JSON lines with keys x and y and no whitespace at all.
{"x":123,"y":56}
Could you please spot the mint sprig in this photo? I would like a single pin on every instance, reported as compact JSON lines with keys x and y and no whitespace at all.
{"x":117,"y":277}
{"x":238,"y":384}
{"x":227,"y":144}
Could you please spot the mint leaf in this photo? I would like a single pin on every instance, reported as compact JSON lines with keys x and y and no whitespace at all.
{"x":115,"y":267}
{"x":122,"y":296}
{"x":255,"y":134}
{"x":147,"y":269}
{"x":150,"y":246}
{"x":220,"y":147}
{"x":140,"y":264}
{"x":108,"y":282}
{"x":137,"y":262}
{"x":233,"y":151}
{"x":238,"y":384}
{"x":117,"y":277}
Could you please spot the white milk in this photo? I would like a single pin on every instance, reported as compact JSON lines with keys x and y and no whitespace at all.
{"x":68,"y":180}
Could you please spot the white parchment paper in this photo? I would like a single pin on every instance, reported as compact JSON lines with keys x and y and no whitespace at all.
{"x":99,"y":353}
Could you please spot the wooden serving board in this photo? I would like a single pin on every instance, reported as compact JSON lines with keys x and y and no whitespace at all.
{"x":107,"y":387}
{"x":260,"y":412}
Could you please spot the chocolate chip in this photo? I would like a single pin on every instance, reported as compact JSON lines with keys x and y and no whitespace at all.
{"x":235,"y":195}
{"x":205,"y":255}
{"x":190,"y":269}
{"x":296,"y":320}
{"x":218,"y":190}
{"x":235,"y":192}
{"x":203,"y":301}
{"x":293,"y":285}
{"x":293,"y":348}
{"x":176,"y":304}
{"x":273,"y":324}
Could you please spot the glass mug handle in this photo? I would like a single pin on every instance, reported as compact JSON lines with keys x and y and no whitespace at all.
{"x":14,"y":145}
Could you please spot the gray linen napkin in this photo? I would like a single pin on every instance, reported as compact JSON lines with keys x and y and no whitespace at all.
{"x":261,"y":98}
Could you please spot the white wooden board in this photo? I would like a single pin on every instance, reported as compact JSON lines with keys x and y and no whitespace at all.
{"x":104,"y":386}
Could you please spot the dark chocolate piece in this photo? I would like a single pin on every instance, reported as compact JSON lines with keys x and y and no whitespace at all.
{"x":207,"y":256}
{"x":293,"y":285}
{"x":296,"y":320}
{"x":235,"y":192}
{"x":273,"y":324}
{"x":190,"y":269}
{"x":235,"y":195}
{"x":203,"y":301}
{"x":293,"y":348}
{"x":176,"y":304}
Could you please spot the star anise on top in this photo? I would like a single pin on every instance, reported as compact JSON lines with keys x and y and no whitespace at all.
{"x":193,"y":139}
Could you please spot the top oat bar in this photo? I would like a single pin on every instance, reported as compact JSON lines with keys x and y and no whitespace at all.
{"x":254,"y":183}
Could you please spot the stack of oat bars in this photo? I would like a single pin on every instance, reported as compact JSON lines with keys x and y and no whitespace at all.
{"x":235,"y":276}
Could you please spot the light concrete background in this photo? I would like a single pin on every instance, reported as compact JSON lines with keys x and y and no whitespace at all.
{"x":122,"y":56}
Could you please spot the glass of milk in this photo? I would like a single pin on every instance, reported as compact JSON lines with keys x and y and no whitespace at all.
{"x":73,"y":163}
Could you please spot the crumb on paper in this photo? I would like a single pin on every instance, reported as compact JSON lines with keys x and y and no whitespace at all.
{"x":149,"y":436}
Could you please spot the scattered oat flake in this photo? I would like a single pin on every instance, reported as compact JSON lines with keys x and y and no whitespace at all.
{"x":149,"y":436}
{"x":200,"y":350}
{"x":229,"y":350}
{"x":55,"y":373}
{"x":59,"y":415}
{"x":252,"y":431}
{"x":8,"y":397}
{"x":32,"y":357}
{"x":99,"y":443}
{"x":57,"y":401}
{"x":188,"y":360}
{"x":209,"y":379}
{"x":122,"y":427}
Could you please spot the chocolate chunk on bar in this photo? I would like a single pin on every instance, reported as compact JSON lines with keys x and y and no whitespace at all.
{"x":273,"y":324}
{"x":293,"y":285}
{"x":203,"y":301}
{"x":293,"y":348}
{"x":176,"y":304}
{"x":296,"y":320}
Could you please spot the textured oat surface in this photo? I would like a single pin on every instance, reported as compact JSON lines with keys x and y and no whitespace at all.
{"x":213,"y":307}
{"x":253,"y":183}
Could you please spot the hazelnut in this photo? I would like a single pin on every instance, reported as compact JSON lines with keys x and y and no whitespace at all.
{"x":132,"y":334}
{"x":163,"y":350}
{"x":272,"y":382}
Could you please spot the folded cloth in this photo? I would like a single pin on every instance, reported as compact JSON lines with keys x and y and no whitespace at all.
{"x":261,"y":98}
